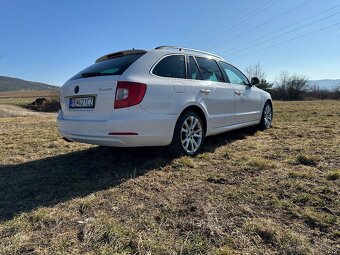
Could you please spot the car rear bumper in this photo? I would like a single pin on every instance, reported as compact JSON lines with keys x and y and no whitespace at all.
{"x":155,"y":130}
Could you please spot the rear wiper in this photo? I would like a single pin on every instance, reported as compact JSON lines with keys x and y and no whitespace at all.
{"x":85,"y":75}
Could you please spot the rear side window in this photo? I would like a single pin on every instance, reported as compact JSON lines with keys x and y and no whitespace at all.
{"x":194,"y":72}
{"x":115,"y":66}
{"x":209,"y":69}
{"x":171,"y":66}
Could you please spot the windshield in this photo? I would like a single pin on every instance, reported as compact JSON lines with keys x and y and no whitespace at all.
{"x":115,"y":66}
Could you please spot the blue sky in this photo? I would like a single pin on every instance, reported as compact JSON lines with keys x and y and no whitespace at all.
{"x":49,"y":41}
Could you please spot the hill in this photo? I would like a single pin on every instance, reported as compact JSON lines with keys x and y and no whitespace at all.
{"x":325,"y":84}
{"x":15,"y":84}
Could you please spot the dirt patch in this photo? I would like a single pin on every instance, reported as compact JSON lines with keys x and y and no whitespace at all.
{"x":15,"y":111}
{"x":44,"y":105}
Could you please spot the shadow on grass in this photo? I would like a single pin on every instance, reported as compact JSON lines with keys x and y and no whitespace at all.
{"x":52,"y":180}
{"x":214,"y":142}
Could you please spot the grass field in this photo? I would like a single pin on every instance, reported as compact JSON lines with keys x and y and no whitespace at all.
{"x":23,"y":98}
{"x":249,"y":192}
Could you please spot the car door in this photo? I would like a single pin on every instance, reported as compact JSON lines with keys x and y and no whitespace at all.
{"x":217,"y":95}
{"x":247,"y":97}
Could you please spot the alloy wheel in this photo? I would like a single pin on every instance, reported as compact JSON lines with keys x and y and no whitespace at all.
{"x":191,"y":134}
{"x":268,"y":116}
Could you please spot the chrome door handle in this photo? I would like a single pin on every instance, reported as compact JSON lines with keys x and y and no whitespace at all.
{"x":205,"y":91}
{"x":238,"y":93}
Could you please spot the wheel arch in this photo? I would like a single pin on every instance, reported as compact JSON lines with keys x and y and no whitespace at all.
{"x":199,"y":111}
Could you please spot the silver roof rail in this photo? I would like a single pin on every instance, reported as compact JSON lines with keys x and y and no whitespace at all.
{"x":186,"y":49}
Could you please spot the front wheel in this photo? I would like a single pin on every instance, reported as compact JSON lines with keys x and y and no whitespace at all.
{"x":267,"y":117}
{"x":188,"y":135}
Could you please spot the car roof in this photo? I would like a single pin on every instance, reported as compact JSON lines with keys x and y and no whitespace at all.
{"x":162,"y":50}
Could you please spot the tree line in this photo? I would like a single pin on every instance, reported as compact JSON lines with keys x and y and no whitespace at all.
{"x":291,"y":86}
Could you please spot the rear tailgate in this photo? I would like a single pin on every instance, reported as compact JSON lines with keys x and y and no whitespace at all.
{"x":98,"y":94}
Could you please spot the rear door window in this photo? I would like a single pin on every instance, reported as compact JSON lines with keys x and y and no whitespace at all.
{"x":172,"y":66}
{"x":115,"y":66}
{"x":209,"y":69}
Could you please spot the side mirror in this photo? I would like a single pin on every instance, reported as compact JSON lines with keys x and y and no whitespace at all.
{"x":254,"y":81}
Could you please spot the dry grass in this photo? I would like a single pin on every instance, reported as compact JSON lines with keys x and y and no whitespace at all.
{"x":29,"y":93}
{"x":250,"y":192}
{"x":23,"y":98}
{"x":15,"y":111}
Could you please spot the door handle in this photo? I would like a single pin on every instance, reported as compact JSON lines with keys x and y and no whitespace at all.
{"x":205,"y":91}
{"x":238,"y":93}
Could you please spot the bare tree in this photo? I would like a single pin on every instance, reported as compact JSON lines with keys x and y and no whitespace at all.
{"x":280,"y":86}
{"x":290,"y":87}
{"x":317,"y":92}
{"x":257,"y":71}
{"x":336,"y":91}
{"x":297,"y":87}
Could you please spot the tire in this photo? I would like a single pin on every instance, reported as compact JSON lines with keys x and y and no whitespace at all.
{"x":267,"y":116}
{"x":188,"y":135}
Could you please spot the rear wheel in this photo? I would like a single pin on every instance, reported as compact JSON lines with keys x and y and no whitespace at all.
{"x":188,"y":135}
{"x":267,"y":117}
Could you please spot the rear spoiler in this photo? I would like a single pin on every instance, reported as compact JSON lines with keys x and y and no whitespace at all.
{"x":119,"y":54}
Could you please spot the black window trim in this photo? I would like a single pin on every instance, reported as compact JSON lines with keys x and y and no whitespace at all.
{"x":167,"y":55}
{"x":187,"y":67}
{"x":225,"y":76}
{"x":220,"y":61}
{"x":198,"y":68}
{"x":218,"y":66}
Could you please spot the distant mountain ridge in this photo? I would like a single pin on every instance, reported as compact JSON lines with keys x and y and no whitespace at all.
{"x":325,"y":84}
{"x":15,"y":84}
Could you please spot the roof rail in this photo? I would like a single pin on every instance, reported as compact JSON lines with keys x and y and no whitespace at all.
{"x":186,"y":49}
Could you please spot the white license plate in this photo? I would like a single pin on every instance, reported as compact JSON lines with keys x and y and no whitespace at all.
{"x":82,"y":102}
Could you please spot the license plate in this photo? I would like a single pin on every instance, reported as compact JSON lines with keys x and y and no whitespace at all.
{"x":82,"y":102}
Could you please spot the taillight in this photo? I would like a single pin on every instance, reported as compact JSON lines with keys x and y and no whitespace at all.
{"x":129,"y":94}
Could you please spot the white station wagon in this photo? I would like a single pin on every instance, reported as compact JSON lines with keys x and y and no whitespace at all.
{"x":167,"y":96}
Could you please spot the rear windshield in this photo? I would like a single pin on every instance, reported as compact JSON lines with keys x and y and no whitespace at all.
{"x":115,"y":66}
